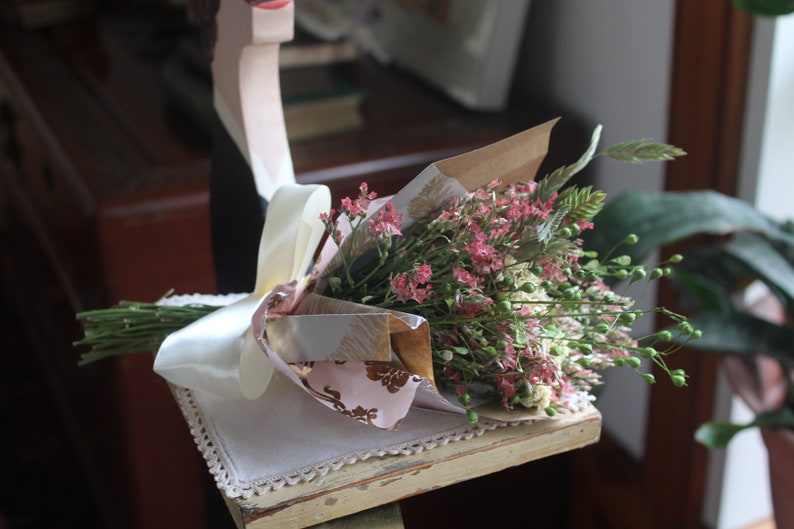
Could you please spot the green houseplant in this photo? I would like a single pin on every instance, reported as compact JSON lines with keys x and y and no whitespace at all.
{"x":730,"y":249}
{"x":767,"y":8}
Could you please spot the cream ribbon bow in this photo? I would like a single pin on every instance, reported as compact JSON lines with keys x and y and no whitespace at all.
{"x":219,"y":353}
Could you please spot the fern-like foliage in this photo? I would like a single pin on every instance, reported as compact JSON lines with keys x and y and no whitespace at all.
{"x":554,"y":182}
{"x":548,"y":230}
{"x":582,"y":203}
{"x":645,"y":150}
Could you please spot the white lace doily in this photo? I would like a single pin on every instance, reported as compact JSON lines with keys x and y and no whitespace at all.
{"x":286,"y":437}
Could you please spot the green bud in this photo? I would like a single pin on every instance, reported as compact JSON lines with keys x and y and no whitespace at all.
{"x":465,"y":399}
{"x":619,"y":361}
{"x":649,"y":378}
{"x":627,"y":318}
{"x":676,"y":258}
{"x":631,"y":238}
{"x":571,"y":293}
{"x":684,"y":327}
{"x":647,"y":352}
{"x":335,"y":283}
{"x":537,"y":270}
{"x":697,"y":333}
{"x":679,"y":381}
{"x":551,"y":412}
{"x":446,"y":355}
{"x":633,"y":362}
{"x":591,"y":277}
{"x":528,"y":287}
{"x":510,"y":281}
{"x":601,"y":328}
{"x":489,"y":350}
{"x":611,"y":297}
{"x":677,"y":372}
{"x":566,"y":233}
{"x":656,"y":273}
{"x":638,"y":274}
{"x":472,"y":416}
{"x":622,"y":260}
{"x":585,"y":348}
{"x":504,"y":306}
{"x":557,"y":350}
{"x":664,"y":335}
{"x":667,"y":271}
{"x":584,"y":362}
{"x":621,"y":273}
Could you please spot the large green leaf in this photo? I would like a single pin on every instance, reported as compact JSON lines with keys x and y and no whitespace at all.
{"x":700,"y":292}
{"x":733,"y":264}
{"x":764,"y":262}
{"x":663,"y":218}
{"x":717,"y":434}
{"x":767,"y":8}
{"x":737,"y":333}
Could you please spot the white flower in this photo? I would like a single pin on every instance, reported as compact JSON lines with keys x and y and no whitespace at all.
{"x":540,"y":397}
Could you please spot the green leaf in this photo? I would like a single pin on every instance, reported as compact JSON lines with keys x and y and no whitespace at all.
{"x":767,"y":8}
{"x":706,"y":294}
{"x":717,"y":434}
{"x":639,"y":151}
{"x":662,"y":218}
{"x":558,"y":178}
{"x":737,"y":333}
{"x":760,"y":258}
{"x":582,"y":203}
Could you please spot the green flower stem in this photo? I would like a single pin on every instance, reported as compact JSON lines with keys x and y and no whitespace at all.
{"x":133,"y":327}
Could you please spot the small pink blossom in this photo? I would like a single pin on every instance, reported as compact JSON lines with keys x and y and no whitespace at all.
{"x":413,"y":285}
{"x":358,"y":207}
{"x":464,"y":276}
{"x":386,"y":222}
{"x":423,"y":272}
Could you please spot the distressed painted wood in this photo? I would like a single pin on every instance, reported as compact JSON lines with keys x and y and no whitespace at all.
{"x":383,"y":480}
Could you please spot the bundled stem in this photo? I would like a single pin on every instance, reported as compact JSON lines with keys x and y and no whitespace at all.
{"x":133,"y":327}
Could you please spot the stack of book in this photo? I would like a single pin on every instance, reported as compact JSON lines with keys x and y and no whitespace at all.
{"x":318,"y":100}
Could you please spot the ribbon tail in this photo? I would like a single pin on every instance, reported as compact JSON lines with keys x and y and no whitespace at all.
{"x":217,"y":354}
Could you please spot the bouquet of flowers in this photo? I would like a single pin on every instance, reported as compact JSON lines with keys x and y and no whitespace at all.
{"x":518,"y":312}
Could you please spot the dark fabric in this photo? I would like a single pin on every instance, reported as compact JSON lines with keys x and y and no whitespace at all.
{"x":237,"y":214}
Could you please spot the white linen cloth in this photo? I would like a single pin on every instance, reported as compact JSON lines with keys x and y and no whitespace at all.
{"x":287,"y":437}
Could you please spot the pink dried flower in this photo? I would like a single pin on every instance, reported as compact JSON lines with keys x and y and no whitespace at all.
{"x":358,"y":207}
{"x":386,"y":222}
{"x":464,"y":276}
{"x":413,"y":285}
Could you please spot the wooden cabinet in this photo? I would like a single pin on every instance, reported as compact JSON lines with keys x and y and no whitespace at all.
{"x":104,"y":189}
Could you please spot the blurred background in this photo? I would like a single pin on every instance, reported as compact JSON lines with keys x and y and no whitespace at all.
{"x":105,"y":112}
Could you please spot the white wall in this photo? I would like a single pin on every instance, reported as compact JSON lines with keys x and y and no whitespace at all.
{"x":607,"y":62}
